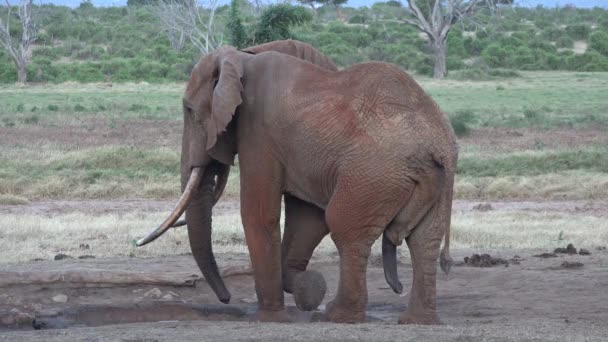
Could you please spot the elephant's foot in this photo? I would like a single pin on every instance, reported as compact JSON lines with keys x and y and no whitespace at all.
{"x":417,"y":317}
{"x":309,"y":289}
{"x":335,"y":313}
{"x":277,"y":316}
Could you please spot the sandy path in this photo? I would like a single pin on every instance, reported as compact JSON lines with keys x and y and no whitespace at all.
{"x":103,"y":207}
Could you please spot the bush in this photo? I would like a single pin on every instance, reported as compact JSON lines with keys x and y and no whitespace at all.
{"x":358,"y":19}
{"x":589,"y":61}
{"x":599,"y":42}
{"x":454,"y":63}
{"x":461,"y":122}
{"x":564,"y":42}
{"x":578,"y":31}
{"x":425,"y":65}
{"x":495,"y":55}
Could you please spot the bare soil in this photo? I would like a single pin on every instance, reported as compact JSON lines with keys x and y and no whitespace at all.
{"x":537,"y":299}
{"x":226,"y":206}
{"x":88,"y":132}
{"x":562,"y":298}
{"x":82,"y":132}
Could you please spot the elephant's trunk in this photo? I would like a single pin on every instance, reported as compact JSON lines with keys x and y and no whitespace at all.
{"x":389,"y":261}
{"x":198,"y":218}
{"x":220,"y":186}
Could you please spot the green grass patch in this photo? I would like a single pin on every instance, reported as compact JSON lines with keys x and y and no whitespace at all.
{"x":532,"y":163}
{"x":542,"y":100}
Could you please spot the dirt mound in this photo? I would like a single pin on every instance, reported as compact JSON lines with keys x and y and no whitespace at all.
{"x":484,"y":260}
{"x":574,"y":264}
{"x":546,"y":255}
{"x":568,"y":250}
{"x":483,"y":207}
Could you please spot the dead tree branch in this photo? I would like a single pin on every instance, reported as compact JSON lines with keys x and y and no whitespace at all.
{"x":192,"y":20}
{"x":19,"y":48}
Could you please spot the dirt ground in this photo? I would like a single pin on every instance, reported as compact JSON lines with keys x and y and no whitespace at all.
{"x":530,"y":299}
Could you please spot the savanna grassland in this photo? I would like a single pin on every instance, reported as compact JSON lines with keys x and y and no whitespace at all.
{"x":86,"y":169}
{"x":530,"y":138}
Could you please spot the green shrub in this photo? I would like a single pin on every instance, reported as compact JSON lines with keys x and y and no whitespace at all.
{"x":358,"y":19}
{"x":79,"y":108}
{"x":53,"y":107}
{"x":425,"y":65}
{"x":589,"y":61}
{"x":564,"y":42}
{"x":461,"y":122}
{"x":599,"y":42}
{"x":454,"y":63}
{"x":495,"y":55}
{"x":578,"y":31}
{"x":552,"y":33}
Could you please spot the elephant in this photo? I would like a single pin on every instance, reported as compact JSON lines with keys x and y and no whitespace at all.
{"x":356,"y":154}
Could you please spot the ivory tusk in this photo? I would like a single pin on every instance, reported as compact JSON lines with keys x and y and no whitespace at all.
{"x":182,"y":204}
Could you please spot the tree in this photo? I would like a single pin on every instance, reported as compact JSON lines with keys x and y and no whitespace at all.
{"x":238,"y":37}
{"x":276,"y":20}
{"x":436,"y":18}
{"x":190,"y":19}
{"x":19,"y":48}
{"x":335,"y":3}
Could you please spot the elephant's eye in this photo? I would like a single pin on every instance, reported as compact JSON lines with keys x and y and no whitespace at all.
{"x":215,"y":81}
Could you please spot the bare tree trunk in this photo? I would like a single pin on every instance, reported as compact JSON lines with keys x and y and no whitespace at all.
{"x":21,"y":73}
{"x":441,"y":49}
{"x":339,"y":13}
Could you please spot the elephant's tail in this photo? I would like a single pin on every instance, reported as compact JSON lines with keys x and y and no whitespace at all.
{"x":445,"y":207}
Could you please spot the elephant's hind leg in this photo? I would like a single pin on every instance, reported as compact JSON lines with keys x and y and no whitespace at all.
{"x":424,"y":243}
{"x":357,"y":216}
{"x":304,"y":229}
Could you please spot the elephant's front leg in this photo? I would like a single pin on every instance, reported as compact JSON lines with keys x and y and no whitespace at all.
{"x":260,"y":212}
{"x":304,"y":229}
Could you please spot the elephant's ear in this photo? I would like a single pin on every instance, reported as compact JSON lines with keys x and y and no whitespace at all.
{"x":226,"y":97}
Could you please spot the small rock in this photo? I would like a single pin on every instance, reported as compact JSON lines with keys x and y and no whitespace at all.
{"x":7,"y":320}
{"x":515,"y":133}
{"x":60,"y":298}
{"x":86,"y":257}
{"x":546,"y":255}
{"x":62,"y":256}
{"x":168,"y":296}
{"x":483,"y":207}
{"x":583,"y":251}
{"x":21,"y":318}
{"x":250,"y":300}
{"x":574,"y":264}
{"x":154,"y":293}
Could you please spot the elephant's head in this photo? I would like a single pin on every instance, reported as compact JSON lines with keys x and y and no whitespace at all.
{"x":210,"y":102}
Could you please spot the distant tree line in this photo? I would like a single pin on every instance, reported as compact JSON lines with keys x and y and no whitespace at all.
{"x":131,"y":43}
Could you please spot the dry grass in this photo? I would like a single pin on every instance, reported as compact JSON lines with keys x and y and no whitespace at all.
{"x":25,"y":237}
{"x":571,"y":185}
{"x":9,"y":199}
